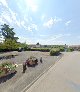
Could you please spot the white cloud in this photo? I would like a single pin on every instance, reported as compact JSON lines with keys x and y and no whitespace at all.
{"x":43,"y":35}
{"x":10,"y":17}
{"x":18,"y":23}
{"x":4,"y":3}
{"x":23,"y":24}
{"x":68,"y":22}
{"x":26,"y":19}
{"x":1,"y":20}
{"x":53,"y":39}
{"x":56,"y":19}
{"x":29,"y":28}
{"x":13,"y":14}
{"x":6,"y":16}
{"x":31,"y":4}
{"x":25,"y":39}
{"x":32,"y":27}
{"x":51,"y":22}
{"x":43,"y":17}
{"x":54,"y":42}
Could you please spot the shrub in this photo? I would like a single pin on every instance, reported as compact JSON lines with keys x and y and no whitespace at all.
{"x":70,"y":49}
{"x":40,"y":49}
{"x":8,"y":45}
{"x":62,"y":49}
{"x":54,"y":51}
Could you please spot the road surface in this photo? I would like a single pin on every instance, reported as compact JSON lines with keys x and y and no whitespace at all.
{"x":64,"y":76}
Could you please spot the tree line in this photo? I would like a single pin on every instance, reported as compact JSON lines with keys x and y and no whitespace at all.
{"x":10,"y":42}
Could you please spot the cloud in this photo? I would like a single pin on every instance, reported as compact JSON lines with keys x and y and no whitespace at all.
{"x":1,"y":20}
{"x":31,"y":4}
{"x":32,"y":27}
{"x":53,"y":39}
{"x":54,"y":42}
{"x":50,"y":40}
{"x":22,"y":23}
{"x":29,"y":28}
{"x":4,"y":3}
{"x":43,"y":17}
{"x":10,"y":17}
{"x":51,"y":22}
{"x":68,"y":22}
{"x":56,"y":19}
{"x":43,"y":35}
{"x":6,"y":16}
{"x":27,"y":40}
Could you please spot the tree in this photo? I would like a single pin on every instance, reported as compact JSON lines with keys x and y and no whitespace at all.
{"x":24,"y":46}
{"x":8,"y":33}
{"x":10,"y":45}
{"x":37,"y":43}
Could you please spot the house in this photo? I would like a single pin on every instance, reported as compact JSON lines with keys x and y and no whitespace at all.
{"x":75,"y":47}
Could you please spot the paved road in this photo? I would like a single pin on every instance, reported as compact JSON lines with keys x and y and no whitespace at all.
{"x":19,"y":82}
{"x":64,"y":76}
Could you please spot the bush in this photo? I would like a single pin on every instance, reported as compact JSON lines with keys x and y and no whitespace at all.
{"x":24,"y":46}
{"x":70,"y":49}
{"x":12,"y":45}
{"x":8,"y":45}
{"x":54,"y":51}
{"x":62,"y":49}
{"x":40,"y":49}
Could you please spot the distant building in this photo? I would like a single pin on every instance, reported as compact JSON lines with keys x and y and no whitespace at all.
{"x":44,"y":46}
{"x":75,"y":47}
{"x":38,"y":45}
{"x":32,"y":46}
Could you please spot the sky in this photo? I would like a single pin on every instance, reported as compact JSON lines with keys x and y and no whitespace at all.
{"x":49,"y":22}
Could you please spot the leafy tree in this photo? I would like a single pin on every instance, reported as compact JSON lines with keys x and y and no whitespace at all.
{"x":10,"y":44}
{"x":8,"y":33}
{"x":23,"y":45}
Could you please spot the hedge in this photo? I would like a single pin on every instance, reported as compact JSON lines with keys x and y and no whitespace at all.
{"x":54,"y":51}
{"x":40,"y":49}
{"x":70,"y":49}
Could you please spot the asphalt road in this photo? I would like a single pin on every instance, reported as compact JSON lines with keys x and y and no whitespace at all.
{"x":19,"y":81}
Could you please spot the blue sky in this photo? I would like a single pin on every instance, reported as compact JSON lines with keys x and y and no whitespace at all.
{"x":43,"y":21}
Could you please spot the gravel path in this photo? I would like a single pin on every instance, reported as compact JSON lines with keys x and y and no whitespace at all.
{"x":18,"y":82}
